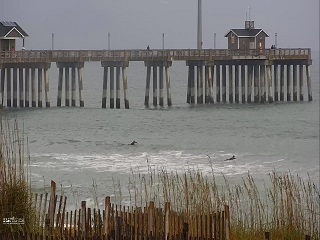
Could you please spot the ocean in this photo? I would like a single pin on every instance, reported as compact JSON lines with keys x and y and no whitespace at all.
{"x":77,"y":147}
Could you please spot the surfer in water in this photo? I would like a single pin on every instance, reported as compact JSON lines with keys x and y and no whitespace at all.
{"x":133,"y":143}
{"x":232,"y":158}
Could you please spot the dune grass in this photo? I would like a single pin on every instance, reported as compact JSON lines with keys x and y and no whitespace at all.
{"x":286,"y":205}
{"x":15,"y":194}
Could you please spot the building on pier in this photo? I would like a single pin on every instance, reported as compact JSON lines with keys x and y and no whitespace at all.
{"x":9,"y":33}
{"x":247,"y":38}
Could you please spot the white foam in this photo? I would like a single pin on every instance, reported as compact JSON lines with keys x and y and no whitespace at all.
{"x":177,"y":161}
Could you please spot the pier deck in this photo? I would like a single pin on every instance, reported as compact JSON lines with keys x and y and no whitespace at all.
{"x":214,"y":75}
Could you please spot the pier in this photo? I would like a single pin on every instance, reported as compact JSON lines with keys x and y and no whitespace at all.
{"x":251,"y":75}
{"x":246,"y":72}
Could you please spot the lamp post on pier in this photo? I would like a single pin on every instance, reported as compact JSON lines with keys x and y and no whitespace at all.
{"x":162,"y":41}
{"x":109,"y":41}
{"x":52,"y":41}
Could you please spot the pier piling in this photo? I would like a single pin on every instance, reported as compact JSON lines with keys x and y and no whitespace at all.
{"x":8,"y":87}
{"x":301,"y":98}
{"x":193,"y":90}
{"x":46,"y":88}
{"x":168,"y":83}
{"x":117,"y":87}
{"x":289,"y":85}
{"x":189,"y":85}
{"x":207,"y":84}
{"x":147,"y":92}
{"x":112,"y":87}
{"x":73,"y":86}
{"x":236,"y":83}
{"x":105,"y":84}
{"x":218,"y":99}
{"x":21,"y":96}
{"x":27,"y":87}
{"x":210,"y":84}
{"x":262,"y":83}
{"x":269,"y":83}
{"x":33,"y":87}
{"x":256,"y":87}
{"x":39,"y":87}
{"x":231,"y":89}
{"x":309,"y":82}
{"x":15,"y":86}
{"x":295,"y":89}
{"x":201,"y":83}
{"x":59,"y":87}
{"x":161,"y":86}
{"x":249,"y":83}
{"x":3,"y":75}
{"x":155,"y":86}
{"x":125,"y":87}
{"x":276,"y":82}
{"x":67,"y":86}
{"x":224,"y":83}
{"x":80,"y":84}
{"x":282,"y":82}
{"x":243,"y":83}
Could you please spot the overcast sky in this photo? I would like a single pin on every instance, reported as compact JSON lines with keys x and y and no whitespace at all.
{"x":134,"y":24}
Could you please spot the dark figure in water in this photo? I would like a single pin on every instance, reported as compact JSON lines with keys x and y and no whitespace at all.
{"x":133,"y":143}
{"x":232,"y":158}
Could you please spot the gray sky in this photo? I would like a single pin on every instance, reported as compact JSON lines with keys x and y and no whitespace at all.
{"x":133,"y":24}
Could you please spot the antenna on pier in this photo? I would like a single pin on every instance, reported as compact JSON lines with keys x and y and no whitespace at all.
{"x":248,"y":23}
{"x":276,"y":40}
{"x":199,"y":42}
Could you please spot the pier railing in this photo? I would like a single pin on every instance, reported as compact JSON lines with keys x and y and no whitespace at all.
{"x":152,"y":55}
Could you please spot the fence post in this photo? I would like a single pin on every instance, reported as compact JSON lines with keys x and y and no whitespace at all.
{"x":52,"y":203}
{"x":185,"y":230}
{"x":83,"y":219}
{"x":167,"y":220}
{"x":151,"y":229}
{"x":267,"y":236}
{"x":227,"y":222}
{"x":107,"y":216}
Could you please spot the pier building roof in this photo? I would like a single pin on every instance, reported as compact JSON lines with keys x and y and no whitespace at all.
{"x":11,"y":30}
{"x":246,"y":32}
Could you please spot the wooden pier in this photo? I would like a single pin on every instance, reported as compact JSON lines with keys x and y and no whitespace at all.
{"x":214,"y":75}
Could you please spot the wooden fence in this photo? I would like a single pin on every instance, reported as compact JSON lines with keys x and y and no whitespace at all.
{"x":121,"y":222}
